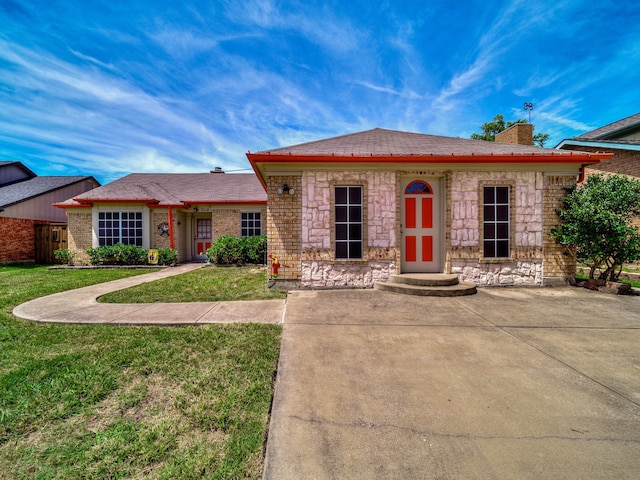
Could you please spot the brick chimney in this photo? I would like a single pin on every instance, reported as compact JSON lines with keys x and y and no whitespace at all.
{"x":517,"y":134}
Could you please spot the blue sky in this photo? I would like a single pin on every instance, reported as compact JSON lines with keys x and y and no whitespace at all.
{"x":106,"y":88}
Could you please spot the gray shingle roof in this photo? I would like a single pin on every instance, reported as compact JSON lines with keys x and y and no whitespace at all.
{"x":382,"y":142}
{"x":611,"y":129}
{"x":177,"y":189}
{"x":34,"y":187}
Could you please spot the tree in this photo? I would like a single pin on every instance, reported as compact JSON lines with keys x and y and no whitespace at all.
{"x":596,"y":223}
{"x":497,"y":125}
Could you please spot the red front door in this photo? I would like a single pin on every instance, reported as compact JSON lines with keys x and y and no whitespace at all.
{"x":420,"y":222}
{"x":203,"y":238}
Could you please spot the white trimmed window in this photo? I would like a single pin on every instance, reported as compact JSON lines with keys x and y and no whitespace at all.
{"x":120,"y":227}
{"x":496,"y":222}
{"x":251,"y":224}
{"x":348,"y":222}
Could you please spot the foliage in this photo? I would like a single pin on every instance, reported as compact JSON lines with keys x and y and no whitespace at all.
{"x":232,"y":250}
{"x":202,"y":285}
{"x":167,"y":256}
{"x":122,"y":254}
{"x":95,"y":402}
{"x":596,"y":223}
{"x":65,"y":256}
{"x":497,"y":125}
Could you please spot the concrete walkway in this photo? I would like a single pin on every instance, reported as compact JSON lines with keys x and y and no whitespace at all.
{"x":535,"y":383}
{"x":81,"y":306}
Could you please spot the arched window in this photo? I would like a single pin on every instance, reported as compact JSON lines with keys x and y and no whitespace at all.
{"x":418,"y":187}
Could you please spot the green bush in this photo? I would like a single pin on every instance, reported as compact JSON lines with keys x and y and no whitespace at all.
{"x":231,"y":250}
{"x":129,"y":254}
{"x":167,"y":256}
{"x":100,"y":255}
{"x":65,"y":256}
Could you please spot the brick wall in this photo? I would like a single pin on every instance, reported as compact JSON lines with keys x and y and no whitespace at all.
{"x":558,"y":265}
{"x":18,"y":240}
{"x":79,"y":232}
{"x":158,"y":240}
{"x":518,"y":134}
{"x":283,"y":223}
{"x":623,"y":161}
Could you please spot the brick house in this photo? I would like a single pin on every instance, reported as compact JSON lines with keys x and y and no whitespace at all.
{"x":30,"y":227}
{"x":186,"y":212}
{"x":621,"y":138}
{"x":355,"y":209}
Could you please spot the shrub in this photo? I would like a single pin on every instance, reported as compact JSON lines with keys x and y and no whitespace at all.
{"x":65,"y":256}
{"x":255,"y":249}
{"x":167,"y":256}
{"x":231,"y":250}
{"x":99,"y":255}
{"x":129,"y":254}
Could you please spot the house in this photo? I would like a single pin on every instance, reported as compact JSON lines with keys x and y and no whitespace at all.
{"x":356,"y":209}
{"x":30,"y":227}
{"x":183,"y":211}
{"x":621,"y":138}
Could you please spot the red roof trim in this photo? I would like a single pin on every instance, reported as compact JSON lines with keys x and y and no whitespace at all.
{"x":572,"y":157}
{"x":225,"y":202}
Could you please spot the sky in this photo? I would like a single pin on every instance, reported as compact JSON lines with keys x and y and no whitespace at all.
{"x":107,"y":88}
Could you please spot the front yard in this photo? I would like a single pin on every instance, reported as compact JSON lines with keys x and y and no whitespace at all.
{"x":128,"y":402}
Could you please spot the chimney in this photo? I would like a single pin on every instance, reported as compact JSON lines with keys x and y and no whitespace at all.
{"x":517,"y":134}
{"x":217,"y":170}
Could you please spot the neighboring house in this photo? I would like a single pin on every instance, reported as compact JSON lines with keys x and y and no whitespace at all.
{"x":622,"y":138}
{"x":30,"y":227}
{"x":183,"y":211}
{"x":355,"y":209}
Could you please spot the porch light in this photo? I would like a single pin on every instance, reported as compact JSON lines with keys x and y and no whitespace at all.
{"x":285,"y":189}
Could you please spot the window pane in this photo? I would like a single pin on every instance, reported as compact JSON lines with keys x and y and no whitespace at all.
{"x":355,"y":250}
{"x":355,"y":232}
{"x":489,"y":231}
{"x":341,"y":195}
{"x":341,"y":214}
{"x":489,"y":196}
{"x":355,"y":214}
{"x":502,"y":213}
{"x":502,"y":231}
{"x":355,"y":195}
{"x":341,"y":250}
{"x":502,"y":194}
{"x":489,"y":213}
{"x":341,"y":232}
{"x":502,"y":248}
{"x":489,"y":248}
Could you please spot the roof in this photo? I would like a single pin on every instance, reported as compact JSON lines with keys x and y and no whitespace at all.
{"x":175,"y":190}
{"x":613,"y":130}
{"x":392,"y":146}
{"x":34,"y":187}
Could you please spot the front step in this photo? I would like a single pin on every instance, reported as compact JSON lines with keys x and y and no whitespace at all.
{"x":427,"y":284}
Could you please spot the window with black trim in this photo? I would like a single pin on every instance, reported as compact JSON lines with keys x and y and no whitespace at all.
{"x":348,"y":222}
{"x":120,"y":227}
{"x":251,"y":224}
{"x":496,"y":222}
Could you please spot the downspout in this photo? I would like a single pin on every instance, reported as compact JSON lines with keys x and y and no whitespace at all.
{"x":172,"y":242}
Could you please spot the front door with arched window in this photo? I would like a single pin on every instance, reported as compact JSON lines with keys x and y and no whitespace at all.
{"x":420,"y":226}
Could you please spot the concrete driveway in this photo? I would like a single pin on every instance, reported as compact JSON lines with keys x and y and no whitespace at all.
{"x":505,"y":384}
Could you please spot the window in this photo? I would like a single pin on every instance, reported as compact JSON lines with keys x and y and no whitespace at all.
{"x":120,"y":227}
{"x":251,"y":224}
{"x":348,"y":222}
{"x":496,"y":222}
{"x":203,"y":226}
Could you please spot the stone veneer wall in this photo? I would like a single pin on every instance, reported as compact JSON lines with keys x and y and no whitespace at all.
{"x":464,"y":245}
{"x":558,"y":265}
{"x":80,"y":230}
{"x":283,"y":225}
{"x":18,"y":239}
{"x":319,"y":268}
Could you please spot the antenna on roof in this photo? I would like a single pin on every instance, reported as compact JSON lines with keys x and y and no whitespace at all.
{"x":528,"y":107}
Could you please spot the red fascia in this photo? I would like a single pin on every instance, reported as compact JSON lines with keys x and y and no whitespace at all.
{"x":224,"y":202}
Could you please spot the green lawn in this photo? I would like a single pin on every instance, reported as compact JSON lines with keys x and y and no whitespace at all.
{"x":96,"y":402}
{"x":206,"y":284}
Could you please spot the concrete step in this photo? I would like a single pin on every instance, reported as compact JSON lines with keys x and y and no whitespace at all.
{"x":428,"y":285}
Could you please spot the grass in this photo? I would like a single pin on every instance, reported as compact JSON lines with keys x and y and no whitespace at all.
{"x":203,"y":285}
{"x":633,"y":283}
{"x":97,"y":401}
